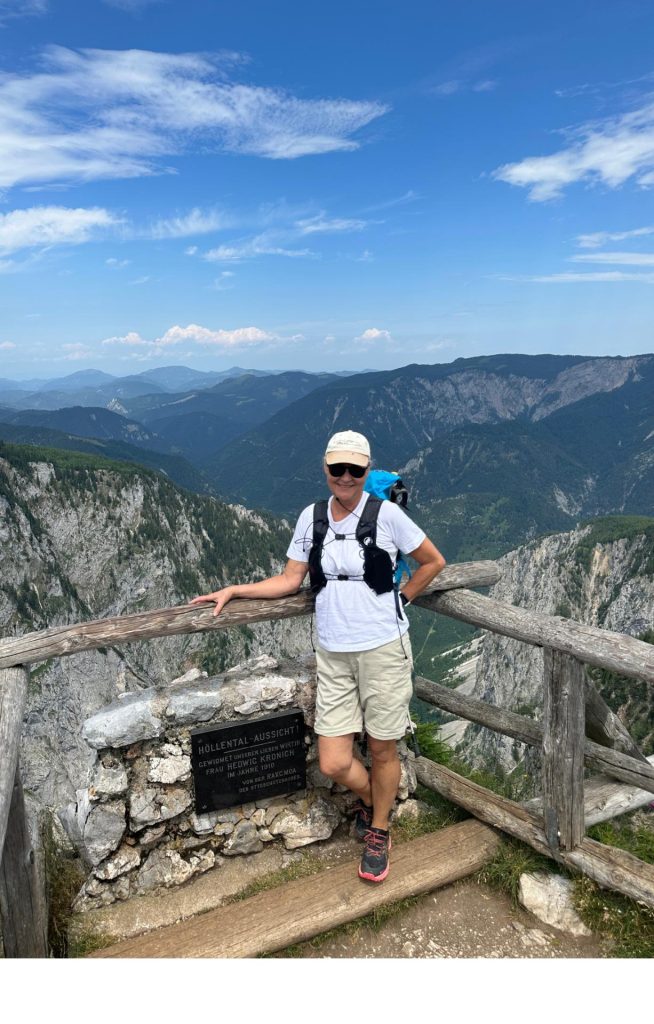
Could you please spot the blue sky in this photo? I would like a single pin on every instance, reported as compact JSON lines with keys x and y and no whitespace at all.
{"x":353,"y":185}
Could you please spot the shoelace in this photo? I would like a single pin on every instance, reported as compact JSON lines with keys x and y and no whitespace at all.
{"x":375,"y":844}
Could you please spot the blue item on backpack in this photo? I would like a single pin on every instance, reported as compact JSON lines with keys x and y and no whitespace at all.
{"x":383,"y":484}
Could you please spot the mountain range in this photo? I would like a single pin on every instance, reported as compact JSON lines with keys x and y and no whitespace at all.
{"x":495,"y":450}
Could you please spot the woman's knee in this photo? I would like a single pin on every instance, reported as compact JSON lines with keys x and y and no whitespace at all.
{"x":383,"y":751}
{"x":335,"y":755}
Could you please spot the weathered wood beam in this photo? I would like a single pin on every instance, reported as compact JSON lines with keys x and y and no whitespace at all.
{"x":13,"y":697}
{"x":23,"y":903}
{"x":563,"y":750}
{"x":60,"y":641}
{"x":599,"y":647}
{"x":610,"y":762}
{"x":605,"y":799}
{"x":610,"y":867}
{"x":604,"y":727}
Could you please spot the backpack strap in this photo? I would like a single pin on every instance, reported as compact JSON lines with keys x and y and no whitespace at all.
{"x":320,"y":526}
{"x":377,"y":563}
{"x":366,"y":531}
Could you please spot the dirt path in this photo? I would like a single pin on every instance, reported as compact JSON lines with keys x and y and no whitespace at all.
{"x":466,"y":920}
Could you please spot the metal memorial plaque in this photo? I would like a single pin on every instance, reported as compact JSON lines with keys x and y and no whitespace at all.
{"x":243,"y":761}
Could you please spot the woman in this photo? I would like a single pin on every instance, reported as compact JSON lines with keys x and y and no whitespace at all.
{"x":364,"y":657}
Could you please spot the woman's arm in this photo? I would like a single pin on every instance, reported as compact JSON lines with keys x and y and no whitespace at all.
{"x":288,"y":582}
{"x":430,"y":563}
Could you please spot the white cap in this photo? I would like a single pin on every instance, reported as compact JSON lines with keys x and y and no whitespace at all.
{"x":348,"y":446}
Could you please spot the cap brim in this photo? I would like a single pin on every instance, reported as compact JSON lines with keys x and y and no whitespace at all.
{"x":354,"y":458}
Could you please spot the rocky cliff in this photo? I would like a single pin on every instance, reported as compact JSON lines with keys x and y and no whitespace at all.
{"x":83,"y":538}
{"x":601,"y":574}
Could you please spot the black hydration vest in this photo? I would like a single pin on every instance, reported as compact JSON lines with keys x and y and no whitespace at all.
{"x":378,"y":570}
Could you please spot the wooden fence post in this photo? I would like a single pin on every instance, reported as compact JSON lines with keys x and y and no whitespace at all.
{"x":23,"y":904}
{"x":563,"y":750}
{"x":22,"y":896}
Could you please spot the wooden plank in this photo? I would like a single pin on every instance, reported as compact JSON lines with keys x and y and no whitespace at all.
{"x":604,"y":727}
{"x":23,"y":904}
{"x":60,"y":641}
{"x":563,"y":750}
{"x":13,"y":697}
{"x":299,"y":910}
{"x":605,"y":799}
{"x":594,"y":646}
{"x":610,"y":867}
{"x":627,"y":769}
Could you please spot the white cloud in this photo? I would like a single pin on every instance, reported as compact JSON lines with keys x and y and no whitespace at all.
{"x":241,"y":337}
{"x":117,"y":264}
{"x":21,"y":8}
{"x":374,"y":334}
{"x":197,"y":222}
{"x":247,"y":249}
{"x":321,"y":224}
{"x":487,"y":85}
{"x":447,"y":88}
{"x":141,"y":280}
{"x":5,"y":345}
{"x":132,"y":6}
{"x":609,"y":152}
{"x":223,"y":282}
{"x":92,"y":114}
{"x":605,"y":276}
{"x":51,"y":225}
{"x":593,"y":241}
{"x":632,"y":259}
{"x":76,"y":352}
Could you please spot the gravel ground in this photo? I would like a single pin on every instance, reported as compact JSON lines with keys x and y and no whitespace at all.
{"x":465,"y":920}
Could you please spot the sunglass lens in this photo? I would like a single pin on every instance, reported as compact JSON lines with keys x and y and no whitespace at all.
{"x":339,"y":468}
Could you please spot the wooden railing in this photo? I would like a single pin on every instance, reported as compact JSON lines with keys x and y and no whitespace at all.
{"x":554,"y":824}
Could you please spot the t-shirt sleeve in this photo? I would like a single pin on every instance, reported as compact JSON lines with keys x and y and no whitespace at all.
{"x":302,"y":540}
{"x":406,"y":535}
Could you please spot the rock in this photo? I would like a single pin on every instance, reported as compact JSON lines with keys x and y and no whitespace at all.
{"x":123,"y":861}
{"x":151,"y":837}
{"x":260,"y":664}
{"x":188,"y":677}
{"x":306,"y":823}
{"x":549,"y":898}
{"x":408,"y":780}
{"x":244,"y":839}
{"x":408,"y":809}
{"x":103,"y":830}
{"x":248,"y":708}
{"x":108,"y":782}
{"x":163,"y":869}
{"x":120,"y":725}
{"x":154,"y":805}
{"x":196,"y":703}
{"x":169,"y":769}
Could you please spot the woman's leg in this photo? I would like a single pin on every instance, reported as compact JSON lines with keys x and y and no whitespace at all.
{"x":338,"y":762}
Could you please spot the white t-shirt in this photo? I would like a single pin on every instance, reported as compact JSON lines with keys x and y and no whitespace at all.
{"x":350,"y":616}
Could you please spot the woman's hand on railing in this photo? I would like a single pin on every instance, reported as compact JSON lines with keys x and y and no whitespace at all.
{"x":219,"y":598}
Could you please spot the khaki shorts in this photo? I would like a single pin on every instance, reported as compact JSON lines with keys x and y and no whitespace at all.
{"x":365,"y":689}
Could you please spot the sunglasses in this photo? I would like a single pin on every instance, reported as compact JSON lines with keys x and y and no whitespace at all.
{"x":339,"y":468}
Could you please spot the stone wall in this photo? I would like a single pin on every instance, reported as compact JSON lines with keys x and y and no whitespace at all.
{"x":135,"y":824}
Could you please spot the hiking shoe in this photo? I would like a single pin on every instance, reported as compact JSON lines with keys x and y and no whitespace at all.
{"x":375,"y":862}
{"x":362,"y":819}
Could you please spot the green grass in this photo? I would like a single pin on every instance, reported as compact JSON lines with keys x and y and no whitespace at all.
{"x":64,"y":877}
{"x":511,"y":861}
{"x":627,"y":925}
